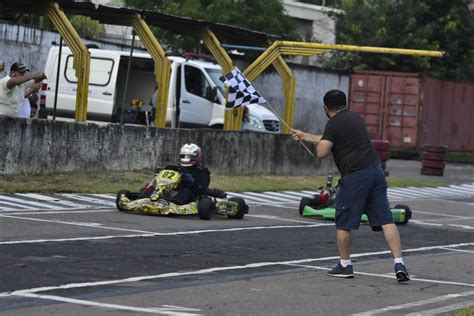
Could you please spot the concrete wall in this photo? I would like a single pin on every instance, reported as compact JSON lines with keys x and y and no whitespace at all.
{"x":43,"y":146}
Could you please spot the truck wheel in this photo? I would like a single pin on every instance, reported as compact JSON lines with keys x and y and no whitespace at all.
{"x":241,"y":208}
{"x":117,"y":198}
{"x":407,"y":212}
{"x":205,"y":208}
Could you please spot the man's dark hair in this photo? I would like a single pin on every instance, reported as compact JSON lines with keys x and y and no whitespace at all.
{"x":335,"y":100}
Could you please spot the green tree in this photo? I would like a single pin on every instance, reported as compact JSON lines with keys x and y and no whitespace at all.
{"x":86,"y":27}
{"x":416,"y":24}
{"x":260,"y":15}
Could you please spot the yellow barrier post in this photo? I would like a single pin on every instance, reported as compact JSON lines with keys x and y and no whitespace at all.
{"x":162,"y":67}
{"x":81,"y":55}
{"x":227,"y":65}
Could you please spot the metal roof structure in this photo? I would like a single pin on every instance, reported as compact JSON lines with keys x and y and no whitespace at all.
{"x":172,"y":23}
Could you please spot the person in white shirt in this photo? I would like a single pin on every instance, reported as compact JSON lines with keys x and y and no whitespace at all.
{"x":13,"y":89}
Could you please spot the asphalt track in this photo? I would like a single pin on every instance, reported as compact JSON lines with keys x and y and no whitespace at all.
{"x":273,"y":262}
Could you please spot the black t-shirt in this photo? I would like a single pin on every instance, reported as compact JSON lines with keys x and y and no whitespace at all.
{"x":352,"y":149}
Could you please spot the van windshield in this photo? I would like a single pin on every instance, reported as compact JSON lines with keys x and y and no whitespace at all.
{"x":215,"y":74}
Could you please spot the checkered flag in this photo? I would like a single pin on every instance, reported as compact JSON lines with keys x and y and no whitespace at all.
{"x":241,"y":91}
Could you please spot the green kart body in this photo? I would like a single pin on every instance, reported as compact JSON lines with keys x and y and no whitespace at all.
{"x":400,"y":213}
{"x":322,"y":205}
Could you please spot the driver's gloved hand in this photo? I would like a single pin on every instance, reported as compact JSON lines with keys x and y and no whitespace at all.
{"x":188,"y":178}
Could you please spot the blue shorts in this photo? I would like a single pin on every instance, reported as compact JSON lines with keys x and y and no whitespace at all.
{"x":363,"y":192}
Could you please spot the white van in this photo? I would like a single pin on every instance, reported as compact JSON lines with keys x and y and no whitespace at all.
{"x":196,"y":95}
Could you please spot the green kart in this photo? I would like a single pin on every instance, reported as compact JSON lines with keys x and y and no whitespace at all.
{"x":322,"y":205}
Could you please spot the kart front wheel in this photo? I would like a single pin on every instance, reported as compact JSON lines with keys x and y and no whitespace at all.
{"x":304,"y":202}
{"x":241,"y":208}
{"x":117,"y":199}
{"x":205,"y":208}
{"x":408,"y":213}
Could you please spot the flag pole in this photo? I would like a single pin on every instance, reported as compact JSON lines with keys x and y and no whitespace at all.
{"x":287,"y":126}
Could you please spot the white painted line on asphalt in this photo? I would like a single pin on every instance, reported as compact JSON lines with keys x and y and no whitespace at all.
{"x":409,"y":192}
{"x":283,"y":196}
{"x":167,"y":310}
{"x":432,"y":300}
{"x":467,"y":186}
{"x":451,"y":191}
{"x":308,"y":192}
{"x":441,"y":225}
{"x":277,"y":218}
{"x":265,"y":197}
{"x":460,"y":226}
{"x":389,"y":276}
{"x":440,"y":214}
{"x":246,"y":197}
{"x":424,"y":191}
{"x":406,"y":193}
{"x":16,"y":205}
{"x":442,"y":310}
{"x":230,"y":268}
{"x":459,"y":188}
{"x":50,"y":199}
{"x":458,"y":250}
{"x":106,"y":196}
{"x":299,"y":194}
{"x":82,"y":224}
{"x":22,"y":202}
{"x":67,"y":211}
{"x":414,"y":221}
{"x":89,"y":199}
{"x":156,"y":234}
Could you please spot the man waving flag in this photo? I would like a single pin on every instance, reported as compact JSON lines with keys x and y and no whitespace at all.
{"x":241,"y":91}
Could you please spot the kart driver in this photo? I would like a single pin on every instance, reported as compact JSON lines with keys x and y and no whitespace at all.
{"x":195,"y":178}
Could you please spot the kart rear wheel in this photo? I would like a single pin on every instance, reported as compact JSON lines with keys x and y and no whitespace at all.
{"x":119,"y":195}
{"x":205,"y":208}
{"x":408,"y":213}
{"x":241,"y":208}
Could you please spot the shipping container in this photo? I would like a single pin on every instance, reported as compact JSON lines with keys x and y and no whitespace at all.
{"x":410,"y":109}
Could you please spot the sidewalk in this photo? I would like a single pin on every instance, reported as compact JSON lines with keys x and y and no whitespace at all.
{"x":454,"y":173}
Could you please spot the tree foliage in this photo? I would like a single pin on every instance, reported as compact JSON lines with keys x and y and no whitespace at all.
{"x":260,"y":15}
{"x":412,"y":24}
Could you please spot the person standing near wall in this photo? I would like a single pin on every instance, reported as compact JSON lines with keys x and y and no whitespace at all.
{"x":362,"y":187}
{"x":13,"y":89}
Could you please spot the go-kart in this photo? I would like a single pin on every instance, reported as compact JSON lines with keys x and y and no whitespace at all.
{"x":322,"y":205}
{"x":161,"y":201}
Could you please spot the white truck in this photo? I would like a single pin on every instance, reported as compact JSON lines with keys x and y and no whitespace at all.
{"x":196,"y":95}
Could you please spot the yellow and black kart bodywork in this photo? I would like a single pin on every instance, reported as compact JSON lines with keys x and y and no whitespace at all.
{"x":161,"y":201}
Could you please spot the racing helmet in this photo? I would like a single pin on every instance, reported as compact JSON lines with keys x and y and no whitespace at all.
{"x":190,"y":155}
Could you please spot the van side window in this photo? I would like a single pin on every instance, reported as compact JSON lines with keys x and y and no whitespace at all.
{"x":195,"y":81}
{"x":100,"y":71}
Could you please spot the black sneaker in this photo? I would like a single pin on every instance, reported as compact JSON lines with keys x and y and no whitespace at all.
{"x":401,"y":272}
{"x":341,"y":272}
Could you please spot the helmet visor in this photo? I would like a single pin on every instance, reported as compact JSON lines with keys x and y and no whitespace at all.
{"x":187,"y":159}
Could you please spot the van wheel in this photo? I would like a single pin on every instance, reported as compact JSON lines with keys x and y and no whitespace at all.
{"x":217,"y":126}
